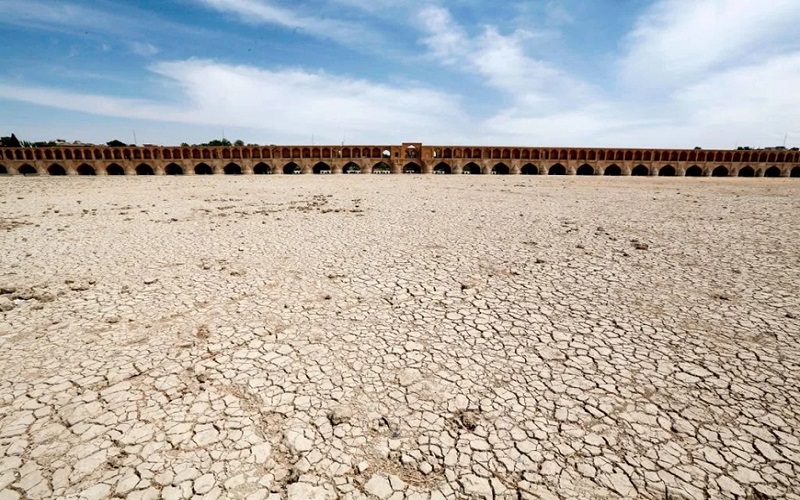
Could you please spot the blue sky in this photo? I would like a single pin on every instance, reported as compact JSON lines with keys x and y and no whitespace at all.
{"x":664,"y":73}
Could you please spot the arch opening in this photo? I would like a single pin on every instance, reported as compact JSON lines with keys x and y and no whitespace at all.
{"x":292,"y":168}
{"x":381,"y":168}
{"x":442,"y":168}
{"x":471,"y":169}
{"x":232,"y":169}
{"x":203,"y":169}
{"x":720,"y":172}
{"x":144,"y":169}
{"x":322,"y":168}
{"x":115,"y":169}
{"x":585,"y":169}
{"x":85,"y":169}
{"x":352,"y":168}
{"x":613,"y":170}
{"x":27,"y":170}
{"x":3,"y":170}
{"x":501,"y":169}
{"x":173,"y":169}
{"x":262,"y":169}
{"x":640,"y":171}
{"x":412,"y":168}
{"x":667,"y":171}
{"x":56,"y":169}
{"x":694,"y":171}
{"x":746,"y":172}
{"x":772,"y":172}
{"x":529,"y":169}
{"x":795,"y":172}
{"x":557,"y":169}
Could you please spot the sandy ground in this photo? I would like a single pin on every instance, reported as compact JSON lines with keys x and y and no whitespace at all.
{"x":399,"y":336}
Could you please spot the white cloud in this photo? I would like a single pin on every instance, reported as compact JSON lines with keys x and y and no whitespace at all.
{"x":286,"y":105}
{"x":677,"y":42}
{"x":501,"y":60}
{"x":265,"y":12}
{"x":144,"y":49}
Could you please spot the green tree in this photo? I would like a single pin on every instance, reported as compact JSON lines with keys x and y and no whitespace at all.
{"x":10,"y":142}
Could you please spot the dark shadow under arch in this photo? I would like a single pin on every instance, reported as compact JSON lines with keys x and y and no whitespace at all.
{"x":173,"y":169}
{"x":442,"y":168}
{"x":501,"y":169}
{"x":3,"y":170}
{"x":232,"y":169}
{"x":321,"y":167}
{"x":27,"y":170}
{"x":795,"y":172}
{"x":666,"y":171}
{"x":694,"y":171}
{"x":557,"y":169}
{"x":585,"y":169}
{"x":115,"y":169}
{"x":85,"y":169}
{"x":746,"y":172}
{"x":381,"y":168}
{"x":262,"y":169}
{"x":144,"y":169}
{"x":412,"y":168}
{"x":292,"y":168}
{"x":772,"y":172}
{"x":720,"y":172}
{"x":613,"y":170}
{"x":471,"y":168}
{"x":203,"y":169}
{"x":351,"y":168}
{"x":529,"y":169}
{"x":56,"y":169}
{"x":640,"y":171}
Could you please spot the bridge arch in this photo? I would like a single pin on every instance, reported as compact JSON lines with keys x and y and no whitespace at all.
{"x":442,"y":168}
{"x":381,"y":168}
{"x":352,"y":168}
{"x":3,"y":170}
{"x":666,"y":171}
{"x":85,"y":169}
{"x":232,"y":169}
{"x":203,"y":169}
{"x":640,"y":170}
{"x":720,"y":171}
{"x":471,"y":168}
{"x":613,"y":170}
{"x":501,"y":169}
{"x":144,"y":169}
{"x":694,"y":171}
{"x":746,"y":171}
{"x":585,"y":169}
{"x":56,"y":169}
{"x":114,"y":169}
{"x":173,"y":169}
{"x":529,"y":169}
{"x":322,"y":168}
{"x":772,"y":171}
{"x":412,"y":168}
{"x":557,"y":169}
{"x":292,"y":168}
{"x":795,"y":172}
{"x":27,"y":170}
{"x":262,"y":168}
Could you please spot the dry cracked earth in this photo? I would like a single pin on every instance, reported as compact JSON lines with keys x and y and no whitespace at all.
{"x":420,"y":337}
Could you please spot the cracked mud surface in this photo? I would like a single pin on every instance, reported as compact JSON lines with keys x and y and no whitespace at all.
{"x":399,"y":337}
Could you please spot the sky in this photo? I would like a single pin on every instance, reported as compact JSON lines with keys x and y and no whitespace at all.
{"x":593,"y":73}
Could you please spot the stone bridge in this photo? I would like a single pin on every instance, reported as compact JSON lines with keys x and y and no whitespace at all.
{"x":405,"y":158}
